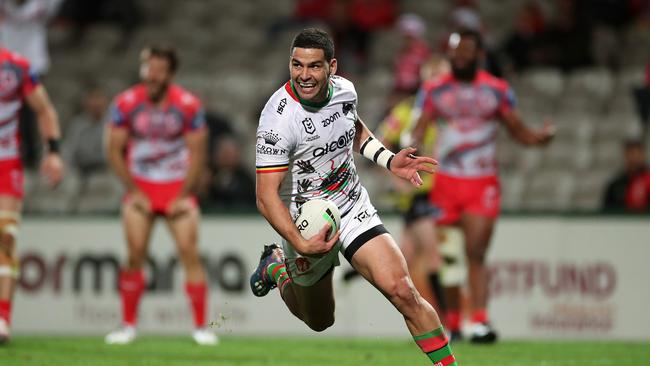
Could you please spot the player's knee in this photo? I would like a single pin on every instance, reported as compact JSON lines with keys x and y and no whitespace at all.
{"x":476,"y":255}
{"x":403,"y":294}
{"x":319,"y":324}
{"x":8,"y":233}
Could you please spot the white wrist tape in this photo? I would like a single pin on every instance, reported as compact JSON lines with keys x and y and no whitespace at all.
{"x":377,"y":152}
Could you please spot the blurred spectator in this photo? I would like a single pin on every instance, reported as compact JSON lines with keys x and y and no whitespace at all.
{"x":629,"y":191}
{"x":642,"y":99}
{"x":522,"y":45}
{"x":412,"y":54}
{"x":125,"y":14}
{"x":83,"y":142}
{"x":352,"y":24}
{"x":609,"y":18}
{"x":640,"y":10}
{"x":229,"y":184}
{"x":219,"y":126}
{"x":567,"y":40}
{"x":23,"y":29}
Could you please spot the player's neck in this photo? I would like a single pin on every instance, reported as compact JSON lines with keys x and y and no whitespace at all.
{"x":321,"y":99}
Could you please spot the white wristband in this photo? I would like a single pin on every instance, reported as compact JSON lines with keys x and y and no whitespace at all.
{"x":377,"y":152}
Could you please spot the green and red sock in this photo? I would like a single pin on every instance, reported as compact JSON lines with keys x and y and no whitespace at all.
{"x":278,"y":271}
{"x":436,"y":345}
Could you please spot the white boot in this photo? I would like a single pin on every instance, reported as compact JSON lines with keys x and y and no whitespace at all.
{"x":124,"y":335}
{"x":205,"y":337}
{"x":4,"y":331}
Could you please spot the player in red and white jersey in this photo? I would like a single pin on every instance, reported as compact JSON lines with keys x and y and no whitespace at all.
{"x":468,"y":105}
{"x":17,"y":85}
{"x":156,"y":146}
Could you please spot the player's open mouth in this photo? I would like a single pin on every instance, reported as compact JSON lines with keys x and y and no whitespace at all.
{"x":307,"y":87}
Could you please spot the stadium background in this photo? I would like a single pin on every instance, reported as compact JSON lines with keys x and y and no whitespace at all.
{"x":563,"y":267}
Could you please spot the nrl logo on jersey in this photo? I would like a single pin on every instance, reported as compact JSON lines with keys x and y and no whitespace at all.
{"x":309,"y":125}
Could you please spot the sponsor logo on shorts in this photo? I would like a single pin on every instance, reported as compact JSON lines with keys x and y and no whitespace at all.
{"x":340,"y":143}
{"x":283,"y":103}
{"x":363,"y":215}
{"x":302,"y":264}
{"x":309,"y":125}
{"x":329,"y":120}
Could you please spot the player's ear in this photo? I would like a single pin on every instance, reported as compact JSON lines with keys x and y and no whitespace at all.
{"x":333,"y":65}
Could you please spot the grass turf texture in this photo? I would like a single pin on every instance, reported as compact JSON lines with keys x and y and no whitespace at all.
{"x":154,"y":351}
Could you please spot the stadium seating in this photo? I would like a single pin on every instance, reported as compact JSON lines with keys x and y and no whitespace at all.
{"x":229,"y":61}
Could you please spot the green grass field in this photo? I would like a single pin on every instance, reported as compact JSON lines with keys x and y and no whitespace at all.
{"x":312,"y":351}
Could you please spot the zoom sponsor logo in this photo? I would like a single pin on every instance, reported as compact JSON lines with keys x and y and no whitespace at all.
{"x":340,"y":143}
{"x":329,"y":120}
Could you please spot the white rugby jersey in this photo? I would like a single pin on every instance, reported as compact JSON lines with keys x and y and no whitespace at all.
{"x":313,"y":144}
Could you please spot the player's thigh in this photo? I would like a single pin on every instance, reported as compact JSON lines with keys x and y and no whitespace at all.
{"x":316,"y":301}
{"x":380,"y":261}
{"x":137,"y":228}
{"x":185,"y":231}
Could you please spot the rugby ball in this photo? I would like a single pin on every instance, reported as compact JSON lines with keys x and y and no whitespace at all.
{"x":313,"y":215}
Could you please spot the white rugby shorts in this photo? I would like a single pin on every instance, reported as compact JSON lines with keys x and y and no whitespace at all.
{"x":358,"y":226}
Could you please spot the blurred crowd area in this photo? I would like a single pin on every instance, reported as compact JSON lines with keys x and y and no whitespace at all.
{"x":582,"y":64}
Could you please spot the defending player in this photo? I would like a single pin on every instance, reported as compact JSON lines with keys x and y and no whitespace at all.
{"x":18,"y":85}
{"x":307,"y":133}
{"x":161,"y":128}
{"x":467,"y":105}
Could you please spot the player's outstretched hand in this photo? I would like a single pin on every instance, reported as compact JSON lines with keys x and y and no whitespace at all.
{"x":52,"y":169}
{"x":318,"y":244}
{"x":546,"y":133}
{"x":406,"y":165}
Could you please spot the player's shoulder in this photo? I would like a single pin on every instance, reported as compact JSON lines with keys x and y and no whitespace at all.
{"x":14,"y":57}
{"x":131,"y":97}
{"x":343,"y":87}
{"x":183,"y":97}
{"x":486,"y":78}
{"x":280,"y":105}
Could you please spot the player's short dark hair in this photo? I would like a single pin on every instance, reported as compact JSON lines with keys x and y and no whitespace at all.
{"x":473,"y":34}
{"x":314,"y":38}
{"x":163,"y":51}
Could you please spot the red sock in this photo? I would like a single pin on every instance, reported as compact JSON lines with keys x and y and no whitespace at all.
{"x":197,"y":293}
{"x":5,"y":310}
{"x":131,"y":288}
{"x":453,"y":320}
{"x":480,"y":316}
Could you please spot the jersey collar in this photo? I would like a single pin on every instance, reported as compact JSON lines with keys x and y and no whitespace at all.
{"x":294,"y":94}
